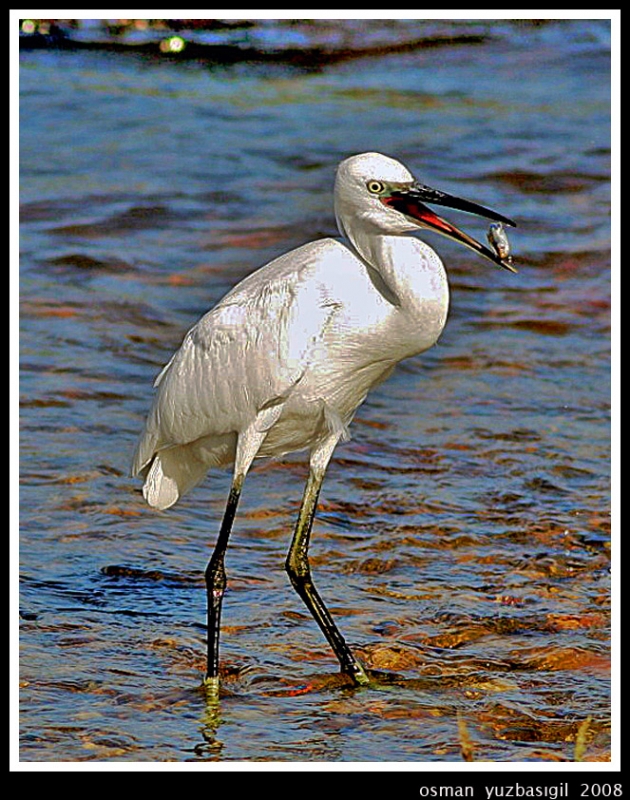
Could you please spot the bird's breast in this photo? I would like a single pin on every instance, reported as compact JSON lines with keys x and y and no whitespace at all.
{"x":365,"y":336}
{"x":389,"y":314}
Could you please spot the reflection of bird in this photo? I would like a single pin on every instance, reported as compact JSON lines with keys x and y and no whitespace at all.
{"x":282,"y":362}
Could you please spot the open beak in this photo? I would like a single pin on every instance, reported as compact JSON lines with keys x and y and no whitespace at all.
{"x":410,"y":200}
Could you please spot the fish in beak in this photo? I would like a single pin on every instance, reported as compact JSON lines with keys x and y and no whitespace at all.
{"x":410,"y":200}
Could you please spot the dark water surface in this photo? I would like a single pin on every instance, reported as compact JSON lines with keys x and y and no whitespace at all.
{"x":463,"y":539}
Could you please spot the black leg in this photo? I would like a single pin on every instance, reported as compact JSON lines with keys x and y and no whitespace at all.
{"x":298,"y":569}
{"x":215,"y":585}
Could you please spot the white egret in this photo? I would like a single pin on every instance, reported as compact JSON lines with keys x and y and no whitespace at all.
{"x":283,"y":361}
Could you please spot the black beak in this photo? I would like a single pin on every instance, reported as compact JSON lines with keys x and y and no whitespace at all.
{"x":411,"y":202}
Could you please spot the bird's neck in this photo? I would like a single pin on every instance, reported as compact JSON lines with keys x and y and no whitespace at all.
{"x":405,"y":270}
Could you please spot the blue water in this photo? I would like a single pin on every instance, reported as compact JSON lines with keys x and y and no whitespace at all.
{"x":463,"y":539}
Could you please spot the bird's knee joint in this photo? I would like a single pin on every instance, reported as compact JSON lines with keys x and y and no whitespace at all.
{"x":215,"y":577}
{"x":298,"y":570}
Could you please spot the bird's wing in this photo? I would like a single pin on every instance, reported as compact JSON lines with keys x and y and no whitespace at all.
{"x":244,"y":356}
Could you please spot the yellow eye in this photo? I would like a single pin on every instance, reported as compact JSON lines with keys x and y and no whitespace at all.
{"x":375,"y":187}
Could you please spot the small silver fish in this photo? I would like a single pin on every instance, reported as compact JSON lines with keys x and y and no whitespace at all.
{"x":499,"y":241}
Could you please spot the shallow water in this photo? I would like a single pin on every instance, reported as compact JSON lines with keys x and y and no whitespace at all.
{"x":463,"y":538}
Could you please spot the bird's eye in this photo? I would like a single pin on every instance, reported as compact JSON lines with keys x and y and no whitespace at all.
{"x":375,"y":187}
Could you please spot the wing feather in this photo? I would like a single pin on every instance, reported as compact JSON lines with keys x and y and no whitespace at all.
{"x":243,"y":356}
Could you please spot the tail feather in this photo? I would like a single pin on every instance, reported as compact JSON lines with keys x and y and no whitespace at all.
{"x":172,"y":473}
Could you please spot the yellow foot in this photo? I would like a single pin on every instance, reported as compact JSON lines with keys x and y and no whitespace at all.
{"x":359,"y":675}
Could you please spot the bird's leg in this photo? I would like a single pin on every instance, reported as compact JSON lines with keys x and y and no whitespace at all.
{"x":216,"y":582}
{"x":247,"y":446}
{"x":298,"y":568}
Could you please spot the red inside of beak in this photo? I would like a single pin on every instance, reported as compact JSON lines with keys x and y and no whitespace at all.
{"x":420,"y":212}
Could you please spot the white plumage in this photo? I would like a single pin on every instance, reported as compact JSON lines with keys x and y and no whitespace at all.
{"x":283,"y":361}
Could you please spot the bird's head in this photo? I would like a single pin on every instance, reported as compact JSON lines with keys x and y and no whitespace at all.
{"x":380,"y":195}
